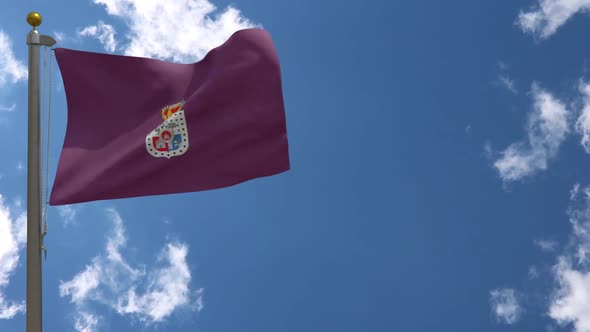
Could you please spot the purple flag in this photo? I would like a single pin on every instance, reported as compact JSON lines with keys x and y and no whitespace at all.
{"x":140,"y":127}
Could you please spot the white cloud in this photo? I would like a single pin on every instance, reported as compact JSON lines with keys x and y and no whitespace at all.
{"x":167,"y":288}
{"x":487,"y":150}
{"x":118,"y":268}
{"x":580,"y":221}
{"x":547,"y":129}
{"x":10,"y":309}
{"x":60,"y":37}
{"x":67,"y":214}
{"x":11,"y":69}
{"x":505,"y":305}
{"x":578,"y":191}
{"x":86,"y":322}
{"x":105,"y":33}
{"x":109,"y":271}
{"x":583,"y":122}
{"x":198,"y":305}
{"x":150,"y":296}
{"x":547,"y":16}
{"x":20,"y":166}
{"x":575,"y":190}
{"x":82,"y":284}
{"x":12,"y":241}
{"x":195,"y":25}
{"x":18,"y":202}
{"x":546,"y":245}
{"x":507,"y":83}
{"x":569,"y":295}
{"x":10,"y":108}
{"x":570,"y":302}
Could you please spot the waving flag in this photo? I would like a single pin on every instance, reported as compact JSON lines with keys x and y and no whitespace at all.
{"x":139,"y":127}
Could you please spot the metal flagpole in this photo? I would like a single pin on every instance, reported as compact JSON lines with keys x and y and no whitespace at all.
{"x":34,"y":308}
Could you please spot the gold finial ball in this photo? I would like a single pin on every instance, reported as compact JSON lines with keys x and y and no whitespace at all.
{"x":34,"y":19}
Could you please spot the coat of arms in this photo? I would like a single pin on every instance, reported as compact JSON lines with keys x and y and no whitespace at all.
{"x":170,"y":138}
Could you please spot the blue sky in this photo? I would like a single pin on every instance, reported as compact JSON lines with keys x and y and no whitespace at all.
{"x":439,"y":154}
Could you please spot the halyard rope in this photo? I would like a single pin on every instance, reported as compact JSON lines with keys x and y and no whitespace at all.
{"x":46,"y":108}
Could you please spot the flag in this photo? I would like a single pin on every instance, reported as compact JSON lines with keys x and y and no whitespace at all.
{"x":141,"y":127}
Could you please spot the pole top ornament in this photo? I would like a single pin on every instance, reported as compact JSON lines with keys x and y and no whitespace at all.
{"x":34,"y":19}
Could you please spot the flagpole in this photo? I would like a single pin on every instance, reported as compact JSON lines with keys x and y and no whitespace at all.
{"x":34,"y":280}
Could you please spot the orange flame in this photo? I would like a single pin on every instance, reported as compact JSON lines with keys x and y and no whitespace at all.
{"x":171,"y":109}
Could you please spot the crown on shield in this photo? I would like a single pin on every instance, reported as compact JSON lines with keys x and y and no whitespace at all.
{"x":171,"y":109}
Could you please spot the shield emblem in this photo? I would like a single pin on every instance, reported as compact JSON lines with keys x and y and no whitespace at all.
{"x":169,"y":139}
